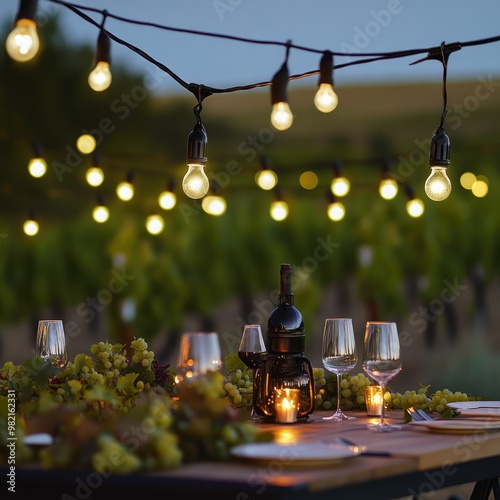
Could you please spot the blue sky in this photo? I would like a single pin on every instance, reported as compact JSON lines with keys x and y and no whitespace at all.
{"x":364,"y":26}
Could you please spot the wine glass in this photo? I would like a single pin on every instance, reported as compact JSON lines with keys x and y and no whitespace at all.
{"x":51,"y":342}
{"x":339,"y":354}
{"x":252,"y":351}
{"x":382,"y":361}
{"x":199,"y":353}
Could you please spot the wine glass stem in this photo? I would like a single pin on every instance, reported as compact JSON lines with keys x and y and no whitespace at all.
{"x":382,"y":389}
{"x":339,"y":378}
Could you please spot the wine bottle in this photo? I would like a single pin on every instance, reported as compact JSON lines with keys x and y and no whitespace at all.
{"x":285,"y":367}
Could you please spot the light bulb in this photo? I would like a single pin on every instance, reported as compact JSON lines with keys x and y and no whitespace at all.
{"x":195,"y":183}
{"x":167,"y":200}
{"x":480,"y":188}
{"x":415,"y":207}
{"x":30,"y":227}
{"x":125,"y":191}
{"x":438,"y":185}
{"x":37,"y":167}
{"x":340,"y":186}
{"x":281,"y":116}
{"x":214,"y":205}
{"x":94,"y":176}
{"x":336,"y":211}
{"x":23,"y":43}
{"x":100,"y":214}
{"x":266,"y":179}
{"x":326,"y":99}
{"x":155,"y":224}
{"x":279,"y":210}
{"x":100,"y":77}
{"x":388,"y":189}
{"x":86,"y":144}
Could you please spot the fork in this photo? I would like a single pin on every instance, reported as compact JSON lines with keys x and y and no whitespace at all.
{"x":418,"y":415}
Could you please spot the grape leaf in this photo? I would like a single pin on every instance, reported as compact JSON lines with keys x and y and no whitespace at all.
{"x":100,"y":393}
{"x":125,"y":383}
{"x":233,"y":362}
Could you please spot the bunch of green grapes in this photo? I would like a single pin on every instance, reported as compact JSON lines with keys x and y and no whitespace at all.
{"x":205,"y":421}
{"x":352,"y":390}
{"x":436,"y":402}
{"x":238,"y":387}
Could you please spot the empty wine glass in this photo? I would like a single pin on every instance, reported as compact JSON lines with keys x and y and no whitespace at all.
{"x":252,"y":351}
{"x":199,"y":353}
{"x":382,"y":361}
{"x":339,"y":354}
{"x":51,"y":342}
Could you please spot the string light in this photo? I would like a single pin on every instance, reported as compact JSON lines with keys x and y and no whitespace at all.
{"x":414,"y":206}
{"x":467,"y":180}
{"x":214,"y":204}
{"x":325,"y":99}
{"x":94,"y":174}
{"x":388,"y":188}
{"x":167,"y":199}
{"x":30,"y":226}
{"x":195,"y":183}
{"x":37,"y":166}
{"x":281,"y":114}
{"x":125,"y":190}
{"x":86,"y":144}
{"x":100,"y":213}
{"x":155,"y":224}
{"x":480,"y":188}
{"x":308,"y":180}
{"x":340,"y":185}
{"x":23,"y":43}
{"x":336,"y":209}
{"x":100,"y":77}
{"x":266,"y":178}
{"x":279,"y":208}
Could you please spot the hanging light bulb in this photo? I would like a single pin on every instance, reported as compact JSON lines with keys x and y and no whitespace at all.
{"x":279,"y":208}
{"x":414,"y":206}
{"x":86,"y":144}
{"x":214,"y":204}
{"x":167,"y":198}
{"x":100,"y":77}
{"x":125,"y":190}
{"x":326,"y":99}
{"x":30,"y":226}
{"x":281,"y":114}
{"x":37,"y":166}
{"x":336,"y":209}
{"x":388,"y":188}
{"x":155,"y":224}
{"x":100,"y":213}
{"x":438,"y":185}
{"x":340,"y":185}
{"x":195,"y":183}
{"x":23,"y":43}
{"x":266,"y":178}
{"x":94,"y":174}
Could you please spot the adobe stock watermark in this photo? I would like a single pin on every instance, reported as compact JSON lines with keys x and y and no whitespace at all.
{"x":223,"y":7}
{"x":379,"y":20}
{"x":324,"y":249}
{"x":249,"y":149}
{"x":120,"y":109}
{"x":429,"y":314}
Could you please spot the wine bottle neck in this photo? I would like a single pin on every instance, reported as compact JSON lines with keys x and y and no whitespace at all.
{"x":286,"y":296}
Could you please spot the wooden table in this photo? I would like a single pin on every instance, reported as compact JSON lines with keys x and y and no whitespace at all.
{"x":421,"y":462}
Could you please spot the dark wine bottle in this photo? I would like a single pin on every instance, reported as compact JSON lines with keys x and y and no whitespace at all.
{"x":285,"y":366}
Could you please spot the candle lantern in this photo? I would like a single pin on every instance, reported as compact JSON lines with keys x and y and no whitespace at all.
{"x":285,"y":372}
{"x":374,"y":400}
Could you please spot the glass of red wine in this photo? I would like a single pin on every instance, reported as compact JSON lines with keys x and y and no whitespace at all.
{"x":252,"y":352}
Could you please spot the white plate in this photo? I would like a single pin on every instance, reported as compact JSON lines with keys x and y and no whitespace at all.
{"x":480,"y":412}
{"x":458,"y":426}
{"x":462,"y":405}
{"x":41,"y":439}
{"x":294,"y":454}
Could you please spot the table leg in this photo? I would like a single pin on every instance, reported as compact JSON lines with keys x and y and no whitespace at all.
{"x":482,"y":489}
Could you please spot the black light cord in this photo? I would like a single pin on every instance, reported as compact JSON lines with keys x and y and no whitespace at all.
{"x":444,"y":50}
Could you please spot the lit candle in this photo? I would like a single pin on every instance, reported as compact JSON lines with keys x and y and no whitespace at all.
{"x":374,"y":400}
{"x":286,"y":405}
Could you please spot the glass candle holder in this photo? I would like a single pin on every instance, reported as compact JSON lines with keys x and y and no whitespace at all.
{"x":374,"y":400}
{"x":286,"y":405}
